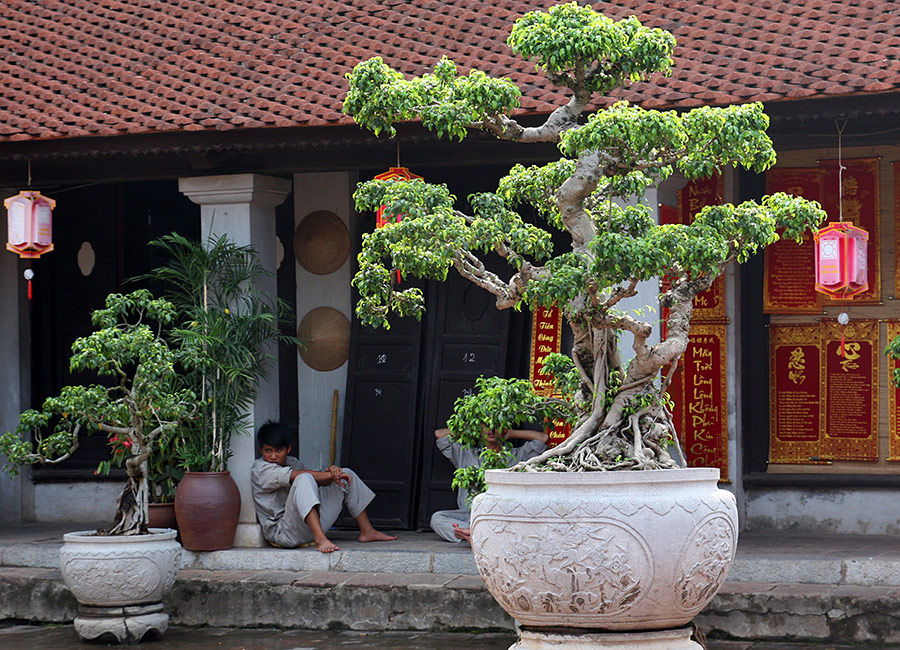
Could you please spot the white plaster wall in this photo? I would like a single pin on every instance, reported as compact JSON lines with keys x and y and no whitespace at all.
{"x":76,"y":502}
{"x":645,"y":305}
{"x":863,"y":511}
{"x":324,"y":191}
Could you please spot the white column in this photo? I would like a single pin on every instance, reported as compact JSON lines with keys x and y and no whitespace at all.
{"x":242,"y":206}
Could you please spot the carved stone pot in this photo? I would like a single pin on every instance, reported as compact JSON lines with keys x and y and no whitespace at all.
{"x":604,"y":552}
{"x":119,"y":581}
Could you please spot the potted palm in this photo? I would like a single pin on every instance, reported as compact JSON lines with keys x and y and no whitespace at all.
{"x":120,"y":574}
{"x":225,"y":326}
{"x":563,"y":541}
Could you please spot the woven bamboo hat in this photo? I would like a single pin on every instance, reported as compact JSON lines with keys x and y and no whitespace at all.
{"x":326,"y":332}
{"x":321,"y":242}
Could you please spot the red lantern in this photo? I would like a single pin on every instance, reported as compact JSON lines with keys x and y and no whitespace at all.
{"x":841,"y":251}
{"x":30,"y":224}
{"x":394,"y":173}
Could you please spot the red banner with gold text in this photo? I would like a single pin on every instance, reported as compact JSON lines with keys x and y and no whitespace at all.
{"x":546,"y":338}
{"x":850,"y":366}
{"x":700,"y":392}
{"x":693,"y":197}
{"x":893,"y":331}
{"x":795,"y":393}
{"x":790,"y":279}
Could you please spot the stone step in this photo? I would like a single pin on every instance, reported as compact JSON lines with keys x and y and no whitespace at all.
{"x":824,"y":569}
{"x":849,"y":614}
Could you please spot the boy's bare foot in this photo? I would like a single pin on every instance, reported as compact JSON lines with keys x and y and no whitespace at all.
{"x":325,"y":545}
{"x":375,"y":536}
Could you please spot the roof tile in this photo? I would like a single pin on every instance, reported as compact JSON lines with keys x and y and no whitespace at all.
{"x":137,"y":66}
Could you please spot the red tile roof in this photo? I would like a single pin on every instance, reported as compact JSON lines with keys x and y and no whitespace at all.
{"x":107,"y":67}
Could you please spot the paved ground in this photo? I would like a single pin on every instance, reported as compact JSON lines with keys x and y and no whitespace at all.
{"x":32,"y":637}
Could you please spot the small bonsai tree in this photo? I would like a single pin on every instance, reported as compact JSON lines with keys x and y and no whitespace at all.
{"x":145,"y":403}
{"x":618,"y":411}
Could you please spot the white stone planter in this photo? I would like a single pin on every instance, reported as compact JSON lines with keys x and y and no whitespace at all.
{"x":119,"y":581}
{"x":615,"y":551}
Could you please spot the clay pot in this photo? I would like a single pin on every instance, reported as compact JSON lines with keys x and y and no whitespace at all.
{"x":161,"y":515}
{"x":616,"y":551}
{"x":207,"y":507}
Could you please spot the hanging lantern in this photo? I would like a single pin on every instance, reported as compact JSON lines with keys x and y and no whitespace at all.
{"x":841,"y":252}
{"x":394,"y":173}
{"x":30,"y":224}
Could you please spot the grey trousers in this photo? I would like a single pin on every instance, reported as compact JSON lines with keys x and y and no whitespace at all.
{"x":442,"y":522}
{"x":305,"y":494}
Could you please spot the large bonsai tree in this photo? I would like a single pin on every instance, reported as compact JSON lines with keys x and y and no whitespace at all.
{"x":618,"y":411}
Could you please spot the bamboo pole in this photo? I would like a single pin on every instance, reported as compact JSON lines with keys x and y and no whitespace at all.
{"x":334,"y":409}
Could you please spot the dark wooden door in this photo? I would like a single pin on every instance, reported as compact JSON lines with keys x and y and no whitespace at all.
{"x":468,"y":339}
{"x":382,"y":414}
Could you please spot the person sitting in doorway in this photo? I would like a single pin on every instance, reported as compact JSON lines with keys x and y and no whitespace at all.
{"x":295,"y":505}
{"x":453,"y":525}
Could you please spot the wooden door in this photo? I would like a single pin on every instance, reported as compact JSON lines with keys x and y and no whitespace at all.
{"x":469,"y":339}
{"x":382,"y":414}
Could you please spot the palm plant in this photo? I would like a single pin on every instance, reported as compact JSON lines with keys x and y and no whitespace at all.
{"x":226,"y":324}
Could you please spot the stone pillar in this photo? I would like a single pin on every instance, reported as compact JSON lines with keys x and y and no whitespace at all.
{"x":14,"y":375}
{"x":242,"y":206}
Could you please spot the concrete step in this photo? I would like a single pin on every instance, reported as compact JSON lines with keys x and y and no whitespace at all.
{"x":837,"y":589}
{"x":441,"y":602}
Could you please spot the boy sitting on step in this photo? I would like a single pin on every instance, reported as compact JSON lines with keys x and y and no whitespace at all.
{"x":296,"y":505}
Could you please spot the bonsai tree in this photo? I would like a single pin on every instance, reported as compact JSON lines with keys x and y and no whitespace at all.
{"x":144,"y":404}
{"x":224,"y":324}
{"x":618,"y":411}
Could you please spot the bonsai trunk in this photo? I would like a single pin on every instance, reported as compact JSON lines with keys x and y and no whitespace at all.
{"x":628,"y":425}
{"x":131,"y":506}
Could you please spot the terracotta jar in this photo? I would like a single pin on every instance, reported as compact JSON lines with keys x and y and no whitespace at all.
{"x":207,"y":508}
{"x":161,"y":515}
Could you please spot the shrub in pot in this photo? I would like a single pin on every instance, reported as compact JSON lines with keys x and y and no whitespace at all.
{"x":119,"y":574}
{"x":227,"y":326}
{"x":598,"y":535}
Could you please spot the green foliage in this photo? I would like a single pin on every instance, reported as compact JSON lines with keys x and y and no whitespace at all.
{"x":497,"y":404}
{"x":445,"y":102}
{"x":224,"y":325}
{"x":144,"y":406}
{"x":577,"y":46}
{"x":592,"y":193}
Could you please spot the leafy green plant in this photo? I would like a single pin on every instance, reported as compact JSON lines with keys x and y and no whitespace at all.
{"x":608,"y":157}
{"x":225,"y":325}
{"x":141,"y":410}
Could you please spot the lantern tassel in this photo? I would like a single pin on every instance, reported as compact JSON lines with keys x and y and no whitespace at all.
{"x":843,"y":355}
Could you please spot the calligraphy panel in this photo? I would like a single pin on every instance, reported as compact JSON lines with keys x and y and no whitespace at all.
{"x":704,"y":407}
{"x":850,"y":383}
{"x":546,"y":338}
{"x":859,"y":204}
{"x":893,"y":331}
{"x":795,"y":392}
{"x":693,"y":197}
{"x":789,"y":280}
{"x":896,"y":230}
